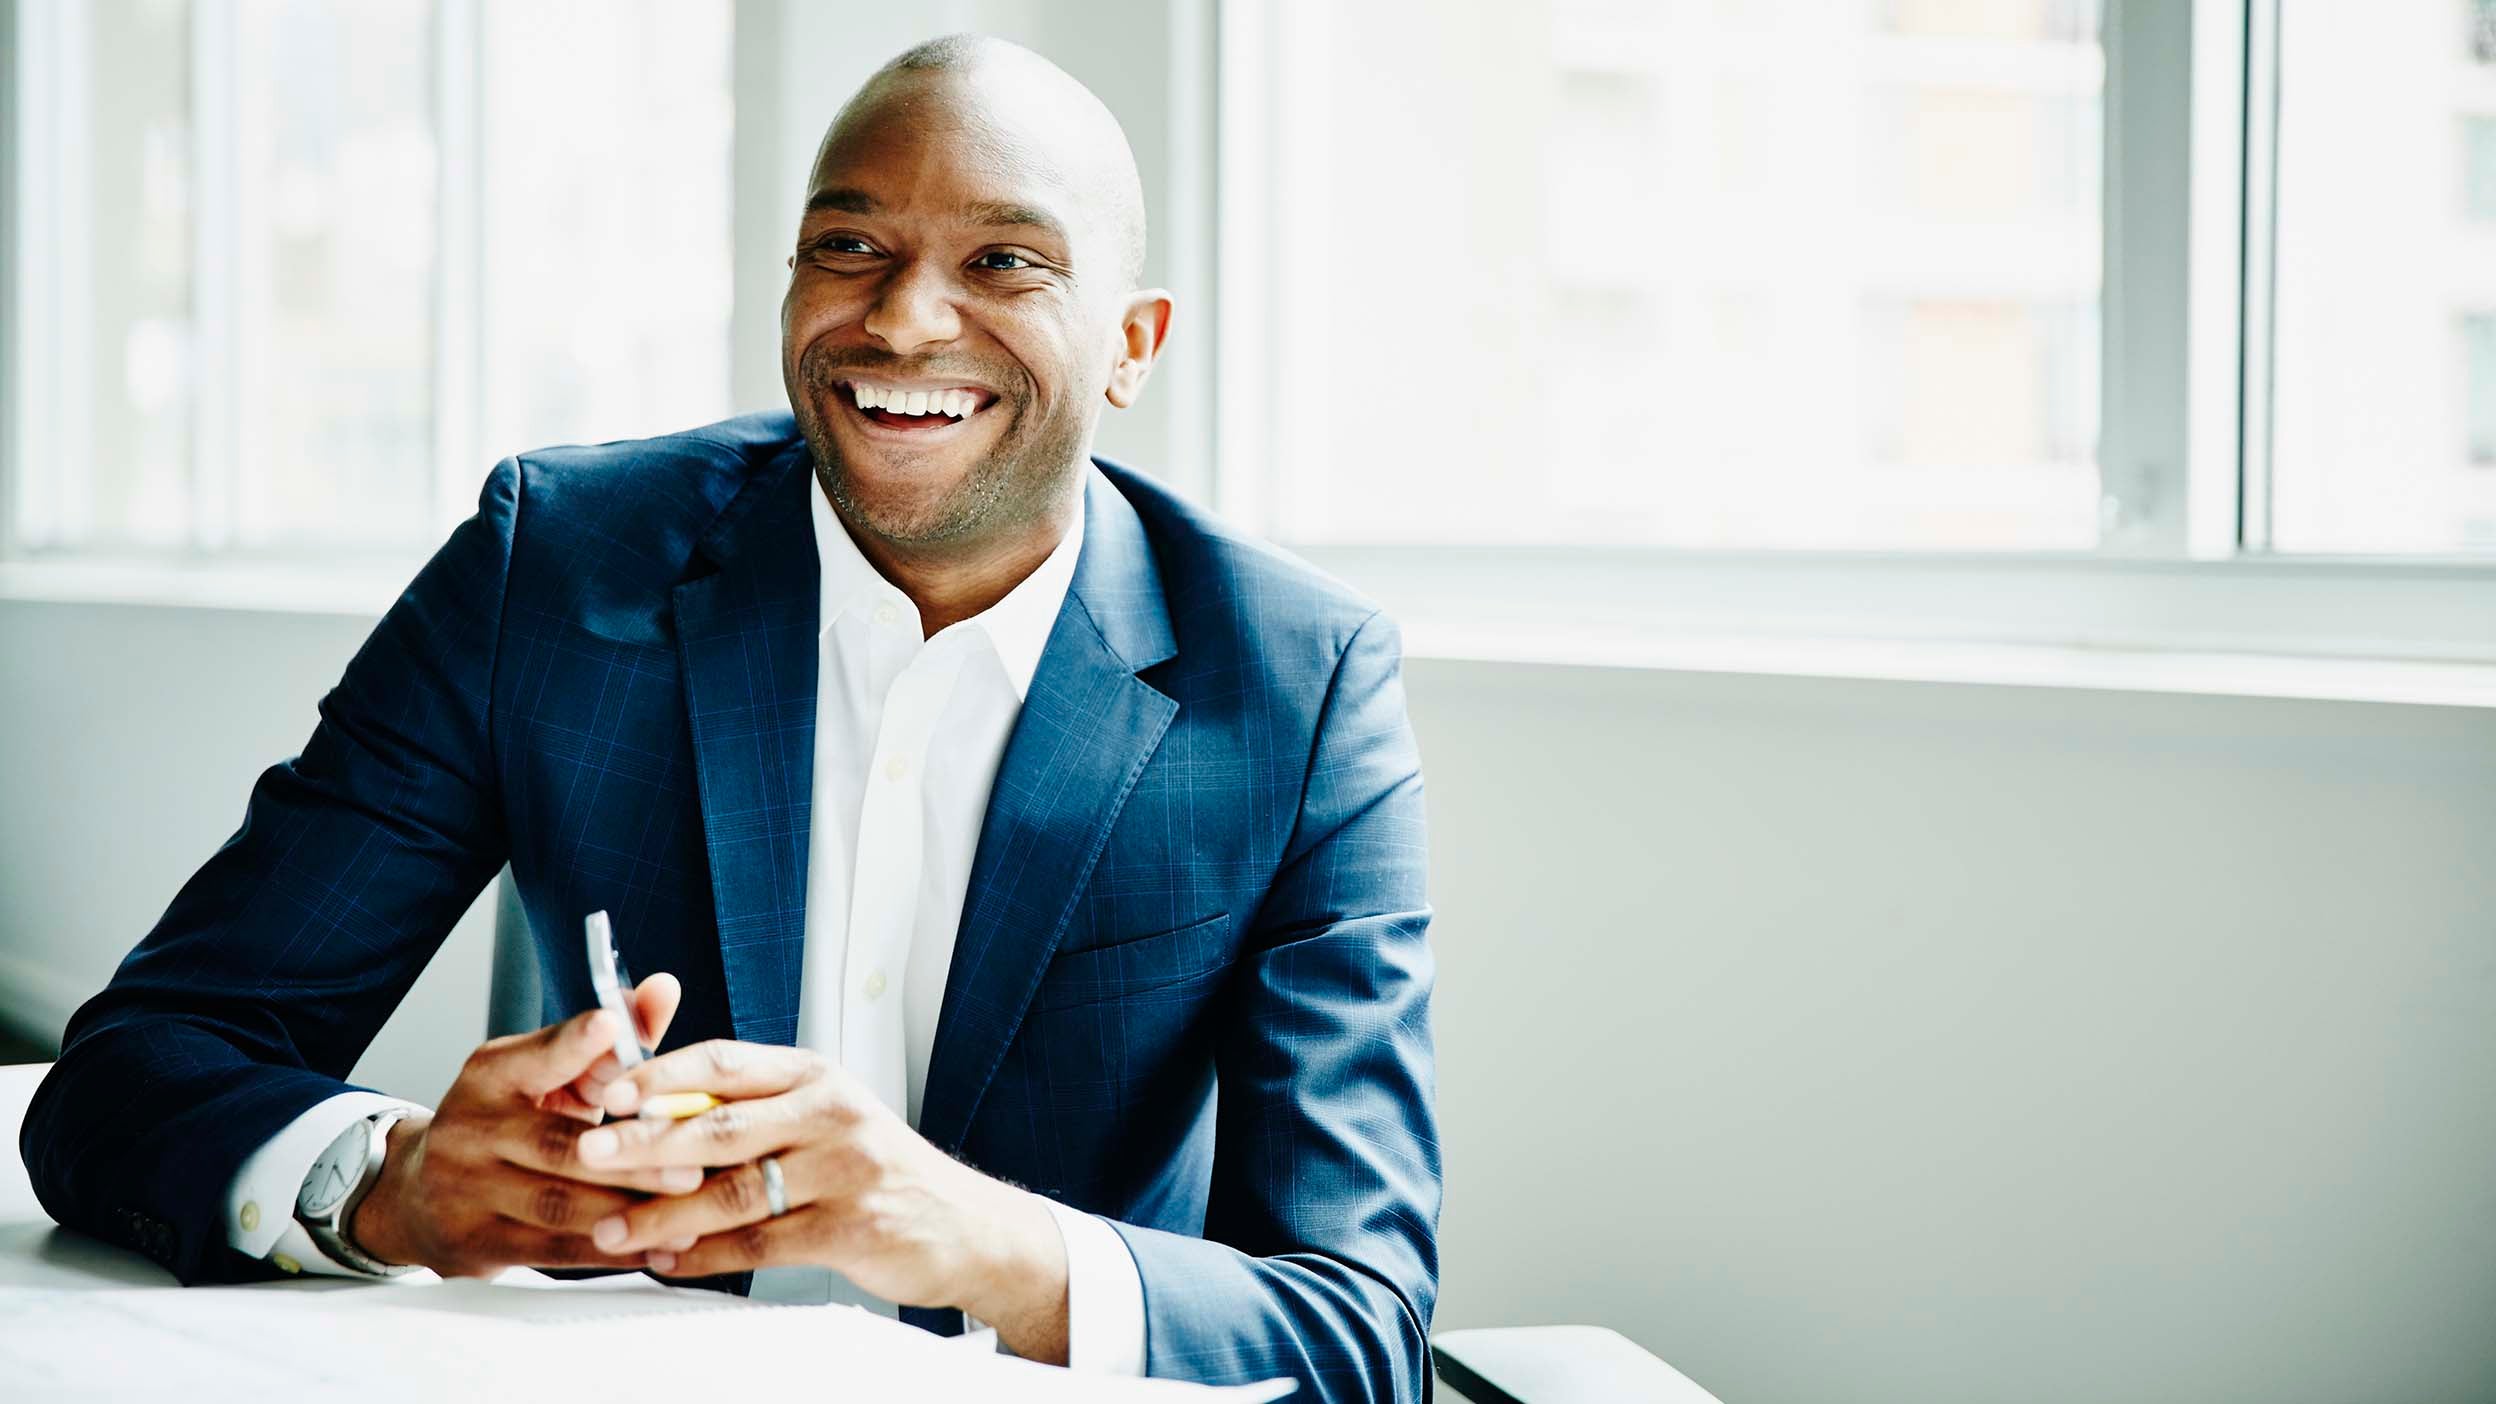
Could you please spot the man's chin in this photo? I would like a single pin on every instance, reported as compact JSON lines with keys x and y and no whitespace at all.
{"x":905,"y":500}
{"x":904,"y":518}
{"x":895,"y":491}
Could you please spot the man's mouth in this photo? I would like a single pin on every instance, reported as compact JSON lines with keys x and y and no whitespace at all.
{"x":914,"y":409}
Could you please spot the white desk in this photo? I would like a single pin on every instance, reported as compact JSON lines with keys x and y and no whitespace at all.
{"x":81,"y":1319}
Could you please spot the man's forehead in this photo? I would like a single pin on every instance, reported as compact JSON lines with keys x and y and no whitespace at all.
{"x":1007,"y":144}
{"x":990,"y":133}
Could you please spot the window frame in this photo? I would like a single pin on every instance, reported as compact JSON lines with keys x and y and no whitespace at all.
{"x":2185,"y":562}
{"x":13,"y":318}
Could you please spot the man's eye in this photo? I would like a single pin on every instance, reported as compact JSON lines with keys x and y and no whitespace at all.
{"x":842,"y":243}
{"x":998,"y":260}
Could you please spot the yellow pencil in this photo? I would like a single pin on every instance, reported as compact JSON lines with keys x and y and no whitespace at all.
{"x":676,"y":1106}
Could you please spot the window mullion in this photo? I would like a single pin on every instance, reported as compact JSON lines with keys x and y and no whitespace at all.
{"x":1189,"y":241}
{"x":2145,"y":385}
{"x":55,"y":356}
{"x":2260,"y":229}
{"x":30,"y":207}
{"x":1245,"y":221}
{"x":2214,"y":445}
{"x":458,"y":312}
{"x":217,"y":408}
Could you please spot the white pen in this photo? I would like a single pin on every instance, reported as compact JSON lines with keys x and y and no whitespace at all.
{"x":609,"y":979}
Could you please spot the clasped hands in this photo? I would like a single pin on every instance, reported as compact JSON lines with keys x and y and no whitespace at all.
{"x":512,"y":1169}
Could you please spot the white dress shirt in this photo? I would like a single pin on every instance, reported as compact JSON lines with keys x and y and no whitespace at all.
{"x":909,"y":732}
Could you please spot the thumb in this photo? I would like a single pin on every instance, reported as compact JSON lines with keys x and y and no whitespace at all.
{"x":655,"y":1001}
{"x":532,"y":1064}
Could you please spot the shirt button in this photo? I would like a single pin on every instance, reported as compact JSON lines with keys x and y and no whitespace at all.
{"x":251,"y":1216}
{"x":875,"y":985}
{"x":886,"y":614}
{"x":896,"y":768}
{"x":284,"y":1263}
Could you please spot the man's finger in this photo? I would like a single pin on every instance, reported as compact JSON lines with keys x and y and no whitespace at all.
{"x":764,"y":1244}
{"x":585,"y":1096}
{"x":731,"y":1198}
{"x":655,"y":1001}
{"x":549,"y":1143}
{"x":727,"y":1134}
{"x":723,"y":1067}
{"x":567,"y":1101}
{"x":674,"y":1180}
{"x":533,"y":1064}
{"x":512,"y":1243}
{"x":552,"y":1202}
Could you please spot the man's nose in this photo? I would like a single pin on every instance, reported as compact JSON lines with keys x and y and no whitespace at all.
{"x":914,"y":309}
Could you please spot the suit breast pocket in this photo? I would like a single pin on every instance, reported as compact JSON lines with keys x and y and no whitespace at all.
{"x":1138,"y":967}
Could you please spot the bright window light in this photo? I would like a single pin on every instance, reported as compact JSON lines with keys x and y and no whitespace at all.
{"x":2385,"y":341}
{"x":1687,"y":274}
{"x":297,"y":271}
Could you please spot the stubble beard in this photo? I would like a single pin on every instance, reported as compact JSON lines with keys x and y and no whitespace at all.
{"x":1013,"y":486}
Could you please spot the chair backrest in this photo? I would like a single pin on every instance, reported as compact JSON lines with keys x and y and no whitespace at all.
{"x":515,"y":1001}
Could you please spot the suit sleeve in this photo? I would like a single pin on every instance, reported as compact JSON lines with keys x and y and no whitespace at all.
{"x":280,"y":959}
{"x":1319,"y":1258}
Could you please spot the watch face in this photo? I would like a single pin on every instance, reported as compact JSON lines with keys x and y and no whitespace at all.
{"x":334,"y":1173}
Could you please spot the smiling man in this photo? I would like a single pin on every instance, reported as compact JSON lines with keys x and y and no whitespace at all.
{"x":1036,"y":865}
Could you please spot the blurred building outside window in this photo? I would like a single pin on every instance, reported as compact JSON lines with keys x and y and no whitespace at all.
{"x":2384,"y":340}
{"x":1778,"y":273}
{"x":298,"y":270}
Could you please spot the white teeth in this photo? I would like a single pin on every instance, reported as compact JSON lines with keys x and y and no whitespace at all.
{"x":959,"y":404}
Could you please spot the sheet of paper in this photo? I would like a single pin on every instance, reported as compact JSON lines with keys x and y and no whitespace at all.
{"x":442,"y":1340}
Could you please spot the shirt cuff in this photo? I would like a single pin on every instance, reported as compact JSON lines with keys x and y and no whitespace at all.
{"x":260,"y":1204}
{"x":1104,"y":1296}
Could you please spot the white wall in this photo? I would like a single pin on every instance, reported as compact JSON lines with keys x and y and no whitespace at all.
{"x":1833,"y":1039}
{"x":1874,"y":1041}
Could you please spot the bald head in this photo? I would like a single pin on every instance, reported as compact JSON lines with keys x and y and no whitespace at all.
{"x":1035,"y":113}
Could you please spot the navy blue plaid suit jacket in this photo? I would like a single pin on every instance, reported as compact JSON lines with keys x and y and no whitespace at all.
{"x":1201,"y":873}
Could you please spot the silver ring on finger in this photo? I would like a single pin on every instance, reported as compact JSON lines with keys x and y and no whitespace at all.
{"x":775,"y":1189}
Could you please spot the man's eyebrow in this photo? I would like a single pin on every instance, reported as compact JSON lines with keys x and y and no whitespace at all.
{"x":993,"y":214}
{"x":985,"y":214}
{"x":841,"y":199}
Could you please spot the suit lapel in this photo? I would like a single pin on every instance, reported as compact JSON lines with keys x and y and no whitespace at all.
{"x":747,"y":641}
{"x":1087,"y":727}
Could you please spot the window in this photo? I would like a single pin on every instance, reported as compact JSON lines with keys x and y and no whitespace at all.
{"x":296,"y":271}
{"x":1787,"y":274}
{"x":2386,"y":240}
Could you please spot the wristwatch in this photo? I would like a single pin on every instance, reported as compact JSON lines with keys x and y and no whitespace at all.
{"x":338,"y":1182}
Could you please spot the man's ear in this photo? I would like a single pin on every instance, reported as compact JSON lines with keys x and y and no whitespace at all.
{"x":1143,"y":329}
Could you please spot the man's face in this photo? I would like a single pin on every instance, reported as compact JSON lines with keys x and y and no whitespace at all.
{"x":936,"y":271}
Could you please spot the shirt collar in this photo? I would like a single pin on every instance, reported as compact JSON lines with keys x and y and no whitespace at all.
{"x":1017,"y":627}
